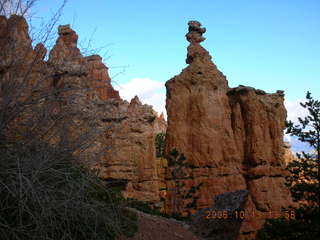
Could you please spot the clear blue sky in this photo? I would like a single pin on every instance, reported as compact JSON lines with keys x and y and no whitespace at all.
{"x":267,"y":44}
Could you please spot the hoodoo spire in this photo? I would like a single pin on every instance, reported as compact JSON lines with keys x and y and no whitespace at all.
{"x":194,"y":36}
{"x":195,"y":50}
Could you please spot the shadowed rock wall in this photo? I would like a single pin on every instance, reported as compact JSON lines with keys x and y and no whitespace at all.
{"x":125,"y":150}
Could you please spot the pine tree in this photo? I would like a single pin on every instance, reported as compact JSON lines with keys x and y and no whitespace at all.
{"x":184,"y":199}
{"x":305,"y":171}
{"x":160,"y":142}
{"x":303,"y":182}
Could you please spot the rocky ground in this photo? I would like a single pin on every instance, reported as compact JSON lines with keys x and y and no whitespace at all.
{"x":160,"y":228}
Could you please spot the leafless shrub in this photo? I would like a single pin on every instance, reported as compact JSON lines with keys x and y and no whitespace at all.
{"x":48,"y":130}
{"x":16,"y":7}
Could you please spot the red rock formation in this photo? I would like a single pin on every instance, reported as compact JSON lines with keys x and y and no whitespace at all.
{"x":131,"y":156}
{"x":232,"y":138}
{"x":99,"y":77}
{"x":161,"y":123}
{"x":16,"y":52}
{"x":289,"y":156}
{"x":131,"y":128}
{"x":125,"y":151}
{"x":15,"y":29}
{"x":65,"y":57}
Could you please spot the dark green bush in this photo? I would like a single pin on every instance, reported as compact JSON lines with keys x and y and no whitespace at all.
{"x":305,"y":171}
{"x":306,"y":226}
{"x":303,"y":181}
{"x":160,"y":142}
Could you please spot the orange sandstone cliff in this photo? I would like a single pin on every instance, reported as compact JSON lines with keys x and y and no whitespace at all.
{"x":128,"y":143}
{"x":124,"y":151}
{"x":232,"y":138}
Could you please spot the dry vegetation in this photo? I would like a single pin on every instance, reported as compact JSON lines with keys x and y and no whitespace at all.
{"x":45,"y":134}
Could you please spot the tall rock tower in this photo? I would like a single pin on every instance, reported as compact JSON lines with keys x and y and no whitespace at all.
{"x":231,"y":137}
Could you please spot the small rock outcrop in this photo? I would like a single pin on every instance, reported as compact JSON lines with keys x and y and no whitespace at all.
{"x":65,"y":58}
{"x":101,"y":82}
{"x":289,"y":155}
{"x":222,"y":220}
{"x":232,"y":138}
{"x":130,"y":155}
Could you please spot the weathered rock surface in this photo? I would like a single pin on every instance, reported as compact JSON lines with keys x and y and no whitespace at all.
{"x":65,"y":58}
{"x":99,"y":77}
{"x":125,"y":151}
{"x":130,"y":156}
{"x":128,"y":143}
{"x":232,"y":137}
{"x":16,"y":52}
{"x":289,"y":156}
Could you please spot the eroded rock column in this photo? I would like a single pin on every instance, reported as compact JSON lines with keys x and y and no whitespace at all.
{"x":231,"y":137}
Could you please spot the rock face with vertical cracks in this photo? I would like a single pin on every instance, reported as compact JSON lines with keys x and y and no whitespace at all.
{"x":128,"y":144}
{"x":65,"y":58}
{"x":130,"y":155}
{"x":124,"y":150}
{"x":232,"y":138}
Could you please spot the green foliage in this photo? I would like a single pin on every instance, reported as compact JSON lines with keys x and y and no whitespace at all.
{"x":306,"y":226}
{"x":179,"y":167}
{"x":190,"y":194}
{"x":305,"y":172}
{"x":176,"y":159}
{"x":160,"y":144}
{"x":303,"y":182}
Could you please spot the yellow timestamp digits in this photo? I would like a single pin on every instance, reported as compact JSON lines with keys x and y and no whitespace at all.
{"x":217,"y":214}
{"x":288,"y":215}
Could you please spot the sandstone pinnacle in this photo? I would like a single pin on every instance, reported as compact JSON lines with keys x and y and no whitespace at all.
{"x":68,"y":35}
{"x":194,"y":36}
{"x":195,"y":50}
{"x":232,"y":139}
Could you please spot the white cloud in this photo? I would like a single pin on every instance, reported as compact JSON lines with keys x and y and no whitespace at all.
{"x":149,"y":92}
{"x":295,"y":110}
{"x":158,"y":101}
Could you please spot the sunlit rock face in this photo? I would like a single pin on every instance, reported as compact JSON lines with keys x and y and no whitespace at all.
{"x":232,"y":138}
{"x":67,"y":59}
{"x":289,"y":155}
{"x":130,"y":155}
